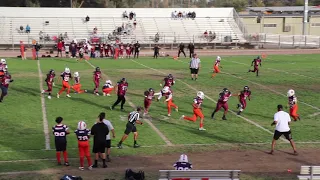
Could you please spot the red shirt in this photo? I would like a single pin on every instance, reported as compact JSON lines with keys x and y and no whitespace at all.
{"x":96,"y":76}
{"x":60,"y":45}
{"x":122,"y":88}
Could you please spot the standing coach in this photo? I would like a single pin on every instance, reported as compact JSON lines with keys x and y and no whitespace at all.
{"x":282,"y":121}
{"x":194,"y":66}
{"x":191,"y":49}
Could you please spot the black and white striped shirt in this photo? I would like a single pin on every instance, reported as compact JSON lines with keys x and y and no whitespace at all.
{"x":194,"y":63}
{"x":133,"y":117}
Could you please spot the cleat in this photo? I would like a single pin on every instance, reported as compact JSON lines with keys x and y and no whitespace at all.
{"x":90,"y":167}
{"x":238,"y":106}
{"x":59,"y":163}
{"x":182,"y":117}
{"x":169,"y":115}
{"x":81,"y":168}
{"x":108,"y":95}
{"x":85,"y":91}
{"x":202,"y":129}
{"x":119,"y":146}
{"x":299,"y":118}
{"x":238,"y":113}
{"x":271,"y":152}
{"x":58,"y":95}
{"x":97,"y":94}
{"x":68,"y":95}
{"x":108,"y":159}
{"x":111,"y":108}
{"x":42,"y":92}
{"x":53,"y":84}
{"x":104,"y":166}
{"x":295,"y":153}
{"x":104,"y":94}
{"x":136,"y":145}
{"x":94,"y":166}
{"x":224,"y":118}
{"x":49,"y":97}
{"x":66,"y":164}
{"x":177,"y":109}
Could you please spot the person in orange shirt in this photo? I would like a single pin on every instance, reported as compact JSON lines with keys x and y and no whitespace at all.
{"x":23,"y":51}
{"x":66,"y":75}
{"x":107,"y":88}
{"x":77,"y":86}
{"x":216,"y":67}
{"x":196,"y":110}
{"x":293,"y":103}
{"x":167,"y":93}
{"x":83,"y":135}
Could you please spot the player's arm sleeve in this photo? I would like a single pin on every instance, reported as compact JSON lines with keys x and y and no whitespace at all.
{"x":175,"y":165}
{"x":138,"y":117}
{"x":170,"y":97}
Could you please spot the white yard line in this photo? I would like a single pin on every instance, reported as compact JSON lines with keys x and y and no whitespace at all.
{"x":265,"y":87}
{"x":44,"y":111}
{"x":162,"y":136}
{"x":244,"y":118}
{"x":314,"y":114}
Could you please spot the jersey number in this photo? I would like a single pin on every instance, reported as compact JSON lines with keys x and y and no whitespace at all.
{"x":183,"y":168}
{"x":58,"y":134}
{"x":83,"y":138}
{"x":124,"y":88}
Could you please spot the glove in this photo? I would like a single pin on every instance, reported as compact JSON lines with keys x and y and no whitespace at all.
{"x":11,"y":80}
{"x":161,"y":85}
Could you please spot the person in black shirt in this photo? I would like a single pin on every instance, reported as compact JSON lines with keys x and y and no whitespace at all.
{"x":181,"y":50}
{"x":136,"y":50}
{"x":99,"y":132}
{"x":191,"y":49}
{"x":37,"y":48}
{"x":156,"y":51}
{"x":60,"y":131}
{"x":133,"y":118}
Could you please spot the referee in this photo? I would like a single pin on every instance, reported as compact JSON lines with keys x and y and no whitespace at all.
{"x":194,"y":66}
{"x":282,"y":121}
{"x":133,"y":118}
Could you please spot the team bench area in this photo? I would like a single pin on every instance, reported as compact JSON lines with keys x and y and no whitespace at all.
{"x":309,"y":173}
{"x":199,"y":175}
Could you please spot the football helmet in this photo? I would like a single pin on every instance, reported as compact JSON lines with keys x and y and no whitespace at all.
{"x":183,"y":158}
{"x":66,"y":70}
{"x":200,"y":94}
{"x":97,"y":69}
{"x":246,"y":88}
{"x":3,"y":61}
{"x":151,"y":90}
{"x":123,"y":79}
{"x":170,"y":76}
{"x":218,"y":58}
{"x":225,"y":90}
{"x":165,"y":89}
{"x":290,"y":93}
{"x":51,"y":71}
{"x":76,"y":74}
{"x":82,"y":125}
{"x":108,"y":82}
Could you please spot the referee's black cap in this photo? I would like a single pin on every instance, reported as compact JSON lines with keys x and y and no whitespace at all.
{"x":280,"y":106}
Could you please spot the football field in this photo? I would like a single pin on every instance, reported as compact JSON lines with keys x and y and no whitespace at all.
{"x":27,"y":116}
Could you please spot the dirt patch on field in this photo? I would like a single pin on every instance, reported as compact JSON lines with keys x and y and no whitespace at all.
{"x":251,"y":162}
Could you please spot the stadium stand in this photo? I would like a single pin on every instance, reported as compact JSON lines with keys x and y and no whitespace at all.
{"x":200,"y":174}
{"x":56,"y":21}
{"x":309,"y":173}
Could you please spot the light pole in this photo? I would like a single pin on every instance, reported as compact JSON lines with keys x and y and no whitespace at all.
{"x":305,"y":17}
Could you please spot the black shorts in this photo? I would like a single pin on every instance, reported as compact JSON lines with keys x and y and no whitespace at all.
{"x":99,"y":147}
{"x":59,"y":50}
{"x":67,"y":52}
{"x":287,"y":135}
{"x":194,"y":71}
{"x":61,"y":145}
{"x":108,"y":143}
{"x":130,"y":128}
{"x":81,"y":55}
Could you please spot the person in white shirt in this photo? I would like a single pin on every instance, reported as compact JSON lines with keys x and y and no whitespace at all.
{"x":194,"y":66}
{"x":108,"y":138}
{"x":282,"y":121}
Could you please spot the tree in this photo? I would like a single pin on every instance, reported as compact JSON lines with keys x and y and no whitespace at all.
{"x":257,"y":3}
{"x":299,"y":3}
{"x":202,"y":3}
{"x":239,"y":5}
{"x":131,"y":3}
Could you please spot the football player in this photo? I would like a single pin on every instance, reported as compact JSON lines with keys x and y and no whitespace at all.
{"x":148,"y":96}
{"x":256,"y":62}
{"x":60,"y":132}
{"x":216,"y":67}
{"x":3,"y":67}
{"x":293,"y":104}
{"x":83,"y":135}
{"x":66,"y":76}
{"x":107,"y":88}
{"x":222,"y":103}
{"x":122,"y":87}
{"x":168,"y":81}
{"x":167,"y":93}
{"x":49,"y":80}
{"x":243,"y":95}
{"x":96,"y":80}
{"x":5,"y":80}
{"x":197,"y":101}
{"x":183,"y":163}
{"x":77,"y":86}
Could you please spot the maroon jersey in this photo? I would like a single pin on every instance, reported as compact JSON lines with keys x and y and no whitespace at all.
{"x":101,"y":47}
{"x":121,"y":47}
{"x":66,"y":76}
{"x":122,"y":88}
{"x":224,"y":97}
{"x":6,"y":80}
{"x":197,"y":101}
{"x":149,"y":95}
{"x":168,"y":82}
{"x":96,"y":76}
{"x":292,"y":101}
{"x":50,"y":78}
{"x":244,"y":95}
{"x":256,"y":62}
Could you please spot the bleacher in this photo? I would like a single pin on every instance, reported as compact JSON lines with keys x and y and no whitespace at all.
{"x":149,"y":22}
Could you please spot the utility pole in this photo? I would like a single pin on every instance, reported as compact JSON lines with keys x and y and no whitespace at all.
{"x":305,"y":17}
{"x":71,"y":3}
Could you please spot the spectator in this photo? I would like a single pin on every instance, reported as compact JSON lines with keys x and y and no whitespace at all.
{"x":156,"y":51}
{"x":67,"y":49}
{"x":191,"y":49}
{"x":99,"y":132}
{"x":125,"y":15}
{"x":87,"y":18}
{"x":65,"y":36}
{"x":28,"y":29}
{"x":108,"y":138}
{"x":59,"y":46}
{"x":41,"y":35}
{"x":37,"y":48}
{"x":134,"y":23}
{"x":205,"y":34}
{"x":184,"y":15}
{"x":21,"y":29}
{"x":193,"y":15}
{"x":183,"y":163}
{"x":156,"y":37}
{"x":136,"y":50}
{"x":47,"y":38}
{"x":95,"y":30}
{"x":131,"y":15}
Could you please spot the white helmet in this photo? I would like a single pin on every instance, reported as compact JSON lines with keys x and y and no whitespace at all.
{"x":183,"y":158}
{"x":200,"y":94}
{"x":67,"y":70}
{"x":165,"y":89}
{"x":82,"y":125}
{"x":218,"y":58}
{"x":290,"y":93}
{"x":76,"y":74}
{"x":108,"y":82}
{"x":3,"y":61}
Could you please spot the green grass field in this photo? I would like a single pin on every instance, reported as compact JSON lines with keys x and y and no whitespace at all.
{"x":22,"y":137}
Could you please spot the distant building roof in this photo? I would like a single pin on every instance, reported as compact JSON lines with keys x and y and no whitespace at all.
{"x":283,"y":9}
